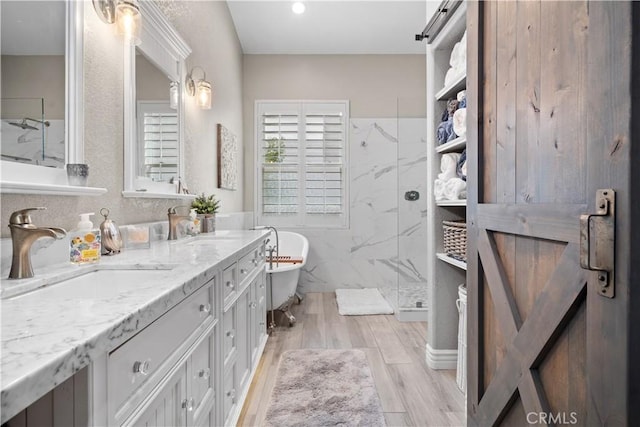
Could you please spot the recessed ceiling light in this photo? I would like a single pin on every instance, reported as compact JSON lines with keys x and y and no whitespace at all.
{"x":298,"y":7}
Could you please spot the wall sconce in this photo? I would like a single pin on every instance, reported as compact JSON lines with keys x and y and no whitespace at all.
{"x":125,"y":14}
{"x":174,"y":89}
{"x":201,"y":89}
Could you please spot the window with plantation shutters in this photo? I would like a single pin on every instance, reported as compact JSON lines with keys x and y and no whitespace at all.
{"x":158,"y":131}
{"x":301,"y":163}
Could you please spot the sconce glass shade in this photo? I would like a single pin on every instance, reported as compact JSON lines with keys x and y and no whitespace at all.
{"x":203,"y":94}
{"x":174,"y":92}
{"x":201,"y":89}
{"x":128,"y":21}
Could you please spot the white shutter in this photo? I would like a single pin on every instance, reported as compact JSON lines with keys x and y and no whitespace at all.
{"x":325,"y":145}
{"x":158,"y":131}
{"x":279,"y":142}
{"x":301,"y":163}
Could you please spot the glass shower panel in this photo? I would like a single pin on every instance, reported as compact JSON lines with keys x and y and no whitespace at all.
{"x":27,"y":137}
{"x":412,"y":206}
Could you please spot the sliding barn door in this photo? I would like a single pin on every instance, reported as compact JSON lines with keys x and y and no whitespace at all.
{"x":550,"y":119}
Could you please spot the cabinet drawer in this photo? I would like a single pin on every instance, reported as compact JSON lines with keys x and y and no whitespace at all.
{"x":229,"y":332}
{"x":229,"y":281}
{"x":248,"y":264}
{"x":140,"y":359}
{"x":229,"y":392}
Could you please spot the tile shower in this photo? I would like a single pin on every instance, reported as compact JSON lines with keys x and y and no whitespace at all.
{"x":385,"y":246}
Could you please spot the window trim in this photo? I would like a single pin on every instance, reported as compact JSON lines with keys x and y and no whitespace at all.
{"x":259,"y":218}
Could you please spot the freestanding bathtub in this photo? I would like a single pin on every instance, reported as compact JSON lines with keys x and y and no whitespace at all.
{"x":283,"y":277}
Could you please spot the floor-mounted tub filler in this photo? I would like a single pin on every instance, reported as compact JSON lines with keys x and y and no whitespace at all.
{"x":284,"y":270}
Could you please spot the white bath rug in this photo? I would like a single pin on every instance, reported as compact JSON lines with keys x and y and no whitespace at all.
{"x":353,"y":302}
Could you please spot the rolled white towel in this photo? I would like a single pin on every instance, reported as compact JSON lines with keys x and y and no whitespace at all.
{"x":460,"y":122}
{"x":454,"y":59}
{"x":438,"y":189}
{"x":450,"y":76}
{"x":461,"y":95}
{"x":448,"y":165}
{"x":454,"y":188}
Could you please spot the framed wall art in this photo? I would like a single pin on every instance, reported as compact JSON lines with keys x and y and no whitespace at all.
{"x":227,"y":159}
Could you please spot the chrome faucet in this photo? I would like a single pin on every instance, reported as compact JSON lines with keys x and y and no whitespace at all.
{"x":271,"y":249}
{"x":174,"y":219}
{"x":23,"y":234}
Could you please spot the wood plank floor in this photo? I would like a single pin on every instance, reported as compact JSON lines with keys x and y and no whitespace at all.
{"x":411,"y":394}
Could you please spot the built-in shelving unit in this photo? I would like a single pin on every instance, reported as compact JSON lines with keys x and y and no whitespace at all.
{"x":444,"y":203}
{"x":450,"y":260}
{"x":456,"y":85}
{"x":460,"y":143}
{"x":445,"y":273}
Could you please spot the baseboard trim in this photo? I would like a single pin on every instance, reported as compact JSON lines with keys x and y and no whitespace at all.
{"x":412,"y":315}
{"x":442,"y":359}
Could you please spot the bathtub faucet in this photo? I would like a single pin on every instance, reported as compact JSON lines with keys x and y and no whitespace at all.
{"x":269,"y":227}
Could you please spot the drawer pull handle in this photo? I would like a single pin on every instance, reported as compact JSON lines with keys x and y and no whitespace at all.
{"x":261,"y":323}
{"x":243,"y":271}
{"x":261,"y":286}
{"x":188,"y":404}
{"x":232,"y":393}
{"x":229,"y":284}
{"x":254,"y":261}
{"x":205,"y":308}
{"x":142,"y":368}
{"x":252,"y":305}
{"x":231,"y":334}
{"x":204,"y":373}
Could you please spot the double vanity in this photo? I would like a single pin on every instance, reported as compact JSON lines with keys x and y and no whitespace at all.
{"x":168,"y":335}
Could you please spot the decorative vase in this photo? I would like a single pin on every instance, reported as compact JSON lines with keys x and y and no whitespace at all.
{"x":208,"y":222}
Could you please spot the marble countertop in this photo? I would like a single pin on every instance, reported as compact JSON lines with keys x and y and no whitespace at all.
{"x":54,"y":330}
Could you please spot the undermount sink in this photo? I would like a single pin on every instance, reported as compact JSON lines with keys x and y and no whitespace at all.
{"x":77,"y":281}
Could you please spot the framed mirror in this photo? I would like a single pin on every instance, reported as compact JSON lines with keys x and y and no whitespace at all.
{"x":41,"y":119}
{"x":154,"y":108}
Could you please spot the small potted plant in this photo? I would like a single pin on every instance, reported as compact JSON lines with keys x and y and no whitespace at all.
{"x":206,"y":208}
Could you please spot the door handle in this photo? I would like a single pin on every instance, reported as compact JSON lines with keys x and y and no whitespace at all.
{"x":597,"y":241}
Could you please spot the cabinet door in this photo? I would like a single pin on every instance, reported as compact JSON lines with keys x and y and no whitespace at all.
{"x":244,"y":352}
{"x":201,"y":379}
{"x":166,"y":408}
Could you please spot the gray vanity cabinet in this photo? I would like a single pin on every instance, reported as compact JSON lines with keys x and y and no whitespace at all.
{"x":189,"y":366}
{"x":243,"y":321}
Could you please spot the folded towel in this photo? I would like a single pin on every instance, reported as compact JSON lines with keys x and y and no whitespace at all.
{"x":460,"y":122}
{"x":461,"y":96}
{"x":461,"y":166}
{"x":454,"y":188}
{"x":444,"y":131}
{"x":438,"y":189}
{"x":448,"y":165}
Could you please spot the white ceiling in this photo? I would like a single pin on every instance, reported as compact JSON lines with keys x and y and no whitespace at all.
{"x":33,"y":27}
{"x":330,"y":26}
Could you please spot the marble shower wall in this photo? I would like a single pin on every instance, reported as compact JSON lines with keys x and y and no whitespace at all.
{"x":385,"y":245}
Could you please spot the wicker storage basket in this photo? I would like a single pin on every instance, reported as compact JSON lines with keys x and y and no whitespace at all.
{"x":455,"y":239}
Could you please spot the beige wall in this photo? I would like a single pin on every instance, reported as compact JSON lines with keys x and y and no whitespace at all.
{"x":33,"y":76}
{"x":151,"y":83}
{"x":375,"y":85}
{"x":208,"y":29}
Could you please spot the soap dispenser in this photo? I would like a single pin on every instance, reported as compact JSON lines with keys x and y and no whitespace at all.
{"x":85,"y":242}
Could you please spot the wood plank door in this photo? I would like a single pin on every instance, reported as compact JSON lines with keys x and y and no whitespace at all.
{"x":550,"y":119}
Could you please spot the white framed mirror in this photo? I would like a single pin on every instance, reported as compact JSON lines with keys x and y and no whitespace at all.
{"x":154,"y":77}
{"x":42,"y":36}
